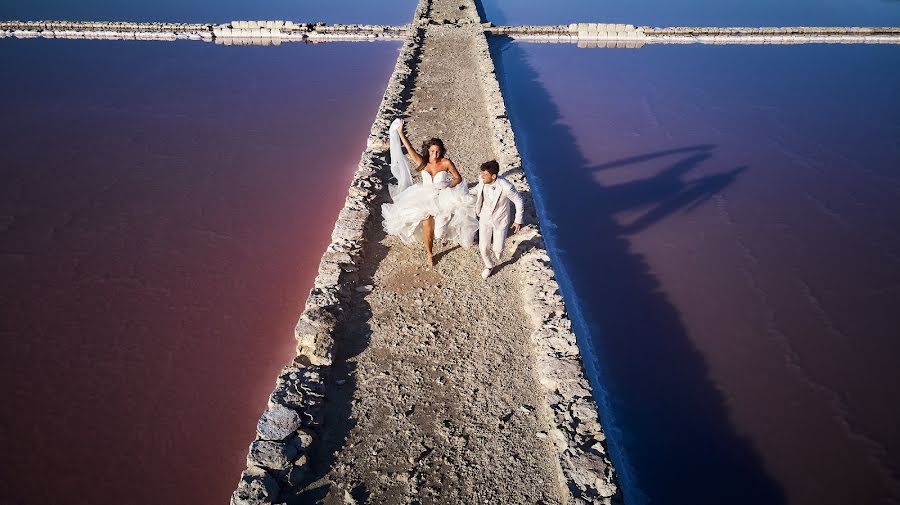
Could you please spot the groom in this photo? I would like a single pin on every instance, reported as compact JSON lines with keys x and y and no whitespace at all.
{"x":493,"y":195}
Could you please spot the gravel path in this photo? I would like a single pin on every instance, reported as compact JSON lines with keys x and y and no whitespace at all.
{"x":440,"y":402}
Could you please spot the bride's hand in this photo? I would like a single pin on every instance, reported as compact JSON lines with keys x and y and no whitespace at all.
{"x":400,"y":125}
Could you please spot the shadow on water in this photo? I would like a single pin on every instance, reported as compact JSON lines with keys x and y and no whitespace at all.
{"x":668,"y":425}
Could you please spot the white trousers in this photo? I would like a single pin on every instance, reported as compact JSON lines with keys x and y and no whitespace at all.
{"x":491,"y":236}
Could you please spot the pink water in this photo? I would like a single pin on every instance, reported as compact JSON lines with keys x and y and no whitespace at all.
{"x":163,"y":208}
{"x":728,"y":220}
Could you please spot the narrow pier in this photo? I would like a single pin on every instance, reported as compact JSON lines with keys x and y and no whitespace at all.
{"x":419,"y":384}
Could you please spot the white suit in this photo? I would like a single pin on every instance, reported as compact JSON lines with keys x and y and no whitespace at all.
{"x":492,"y":208}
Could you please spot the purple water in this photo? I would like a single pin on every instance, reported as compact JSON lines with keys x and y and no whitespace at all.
{"x":391,"y":12}
{"x":726,"y":221}
{"x":697,"y":12}
{"x":163,"y":209}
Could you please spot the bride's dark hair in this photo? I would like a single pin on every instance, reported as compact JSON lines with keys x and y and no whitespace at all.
{"x":427,"y":145}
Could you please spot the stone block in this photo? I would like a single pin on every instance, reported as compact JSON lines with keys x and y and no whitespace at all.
{"x":272,"y":455}
{"x":255,"y":487}
{"x":277,"y":424}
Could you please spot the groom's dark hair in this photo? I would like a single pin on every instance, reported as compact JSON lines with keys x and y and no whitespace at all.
{"x":491,"y":167}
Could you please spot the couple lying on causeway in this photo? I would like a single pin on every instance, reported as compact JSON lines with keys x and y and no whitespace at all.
{"x":442,"y":206}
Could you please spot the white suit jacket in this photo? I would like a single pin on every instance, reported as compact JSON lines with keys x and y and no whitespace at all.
{"x":493,"y":200}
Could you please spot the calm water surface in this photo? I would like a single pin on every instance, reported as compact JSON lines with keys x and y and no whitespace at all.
{"x":393,"y":12}
{"x":162,"y":213}
{"x":697,"y":12}
{"x":728,"y":220}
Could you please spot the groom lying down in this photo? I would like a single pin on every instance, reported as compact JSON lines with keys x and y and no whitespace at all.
{"x":493,"y":195}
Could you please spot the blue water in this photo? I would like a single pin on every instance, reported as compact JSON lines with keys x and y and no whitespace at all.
{"x":392,"y":12}
{"x":724,"y":221}
{"x":697,"y":12}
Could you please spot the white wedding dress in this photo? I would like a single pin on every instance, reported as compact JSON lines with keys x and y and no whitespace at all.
{"x":452,"y":208}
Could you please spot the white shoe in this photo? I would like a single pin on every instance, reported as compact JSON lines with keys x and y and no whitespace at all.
{"x":485,"y":273}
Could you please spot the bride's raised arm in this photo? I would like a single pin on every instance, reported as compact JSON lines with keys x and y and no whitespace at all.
{"x":417,"y":158}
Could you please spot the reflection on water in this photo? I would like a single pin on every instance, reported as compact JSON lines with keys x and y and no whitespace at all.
{"x":163,"y":208}
{"x":740,"y":283}
{"x":697,"y":12}
{"x":389,"y":12}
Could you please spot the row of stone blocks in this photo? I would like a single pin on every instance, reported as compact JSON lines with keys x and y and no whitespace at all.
{"x":606,"y":31}
{"x":271,"y":25}
{"x":611,"y":44}
{"x":612,"y":35}
{"x":247,"y":32}
{"x":602,"y":27}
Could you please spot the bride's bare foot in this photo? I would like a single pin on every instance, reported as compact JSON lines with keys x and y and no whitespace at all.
{"x":429,"y":259}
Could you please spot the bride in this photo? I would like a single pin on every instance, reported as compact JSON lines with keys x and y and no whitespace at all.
{"x":438,"y":207}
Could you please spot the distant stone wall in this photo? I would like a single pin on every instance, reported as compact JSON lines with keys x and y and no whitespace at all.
{"x":574,"y":430}
{"x":268,"y":32}
{"x":289,"y":29}
{"x":625,"y":35}
{"x":292,"y":422}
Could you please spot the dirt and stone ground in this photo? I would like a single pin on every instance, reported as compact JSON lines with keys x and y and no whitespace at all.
{"x":433,"y":397}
